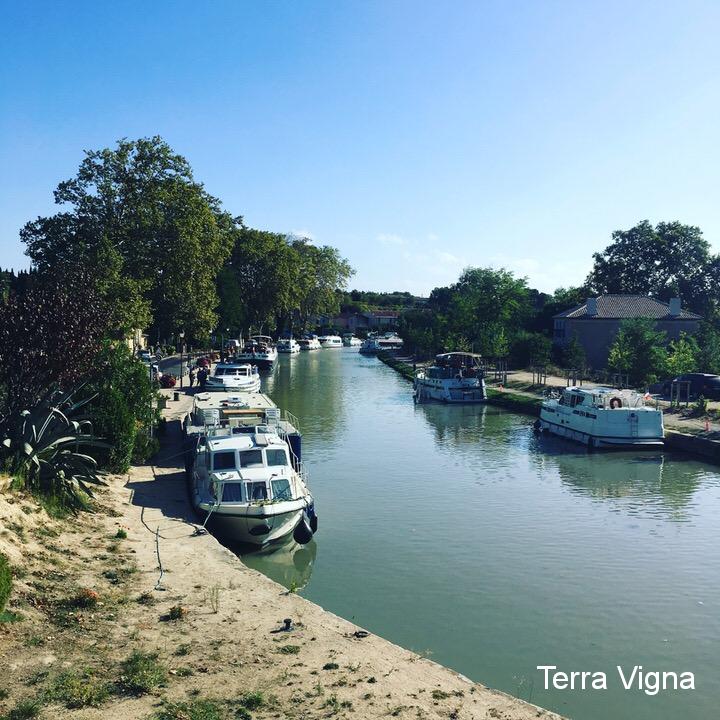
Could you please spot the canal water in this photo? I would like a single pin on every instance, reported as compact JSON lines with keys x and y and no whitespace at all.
{"x":456,"y":532}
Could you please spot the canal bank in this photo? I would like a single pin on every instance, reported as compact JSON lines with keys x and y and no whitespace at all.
{"x":523,"y":401}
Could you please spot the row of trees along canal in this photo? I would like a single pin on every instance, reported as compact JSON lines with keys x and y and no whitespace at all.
{"x":137,"y":243}
{"x":497,"y":314}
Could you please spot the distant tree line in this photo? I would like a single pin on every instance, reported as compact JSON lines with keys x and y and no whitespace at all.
{"x":496,"y":314}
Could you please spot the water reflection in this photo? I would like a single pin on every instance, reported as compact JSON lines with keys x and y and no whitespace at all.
{"x":645,"y":481}
{"x":291,"y":564}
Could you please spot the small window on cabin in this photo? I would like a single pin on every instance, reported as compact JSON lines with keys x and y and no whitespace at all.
{"x":257,"y":491}
{"x":276,"y":458}
{"x":224,"y":460}
{"x":232,"y":492}
{"x":251,"y":459}
{"x":281,"y":489}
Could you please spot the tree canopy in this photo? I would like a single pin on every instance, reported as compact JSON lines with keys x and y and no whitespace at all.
{"x":665,"y":261}
{"x":152,"y":238}
{"x":274,"y":281}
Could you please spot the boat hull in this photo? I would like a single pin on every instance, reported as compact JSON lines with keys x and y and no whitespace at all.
{"x":594,"y":436}
{"x":450,"y":394}
{"x":253,"y":525}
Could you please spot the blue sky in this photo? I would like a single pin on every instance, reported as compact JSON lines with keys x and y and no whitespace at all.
{"x":417,"y":137}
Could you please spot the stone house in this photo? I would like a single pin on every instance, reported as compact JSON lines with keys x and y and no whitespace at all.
{"x":596,"y":322}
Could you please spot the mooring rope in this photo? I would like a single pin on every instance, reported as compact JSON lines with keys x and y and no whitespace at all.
{"x":158,"y":584}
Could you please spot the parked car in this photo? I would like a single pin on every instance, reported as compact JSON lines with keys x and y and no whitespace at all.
{"x":700,"y":384}
{"x":145,"y":356}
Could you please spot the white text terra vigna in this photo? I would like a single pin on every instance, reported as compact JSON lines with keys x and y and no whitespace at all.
{"x":635,"y":678}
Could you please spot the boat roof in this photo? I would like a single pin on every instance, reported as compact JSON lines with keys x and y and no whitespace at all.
{"x":244,"y":441}
{"x":209,"y":400}
{"x":231,"y":364}
{"x":260,"y":337}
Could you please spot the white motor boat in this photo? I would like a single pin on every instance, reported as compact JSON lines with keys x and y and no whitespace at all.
{"x":331,"y":341}
{"x":380,"y":343}
{"x":349,"y":340}
{"x":602,"y":417}
{"x":455,"y":377}
{"x":245,"y":472}
{"x":310,"y":342}
{"x":234,"y":376}
{"x":288,"y":345}
{"x":259,"y":350}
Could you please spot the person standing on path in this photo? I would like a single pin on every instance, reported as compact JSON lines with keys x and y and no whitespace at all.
{"x":202,"y":378}
{"x":191,"y":376}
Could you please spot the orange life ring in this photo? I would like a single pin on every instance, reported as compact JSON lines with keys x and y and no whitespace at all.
{"x":615,"y":403}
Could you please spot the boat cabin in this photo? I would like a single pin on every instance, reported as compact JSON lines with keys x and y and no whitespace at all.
{"x":455,"y":365}
{"x":601,"y":398}
{"x":232,"y":370}
{"x":249,"y":468}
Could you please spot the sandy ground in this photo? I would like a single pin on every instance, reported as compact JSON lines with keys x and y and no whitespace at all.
{"x":224,"y":649}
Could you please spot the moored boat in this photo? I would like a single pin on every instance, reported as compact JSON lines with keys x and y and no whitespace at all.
{"x":259,"y":350}
{"x":602,"y":417}
{"x":455,"y":377}
{"x":330,"y":341}
{"x":288,"y":345}
{"x":234,"y":376}
{"x":245,"y":470}
{"x":379,"y":343}
{"x":349,"y":340}
{"x":309,"y":342}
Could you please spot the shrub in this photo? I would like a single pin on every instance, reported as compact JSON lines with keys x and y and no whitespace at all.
{"x":145,"y":447}
{"x":24,"y":710}
{"x":41,"y":448}
{"x":5,"y":581}
{"x":122,"y":408}
{"x":252,"y":700}
{"x":141,"y":673}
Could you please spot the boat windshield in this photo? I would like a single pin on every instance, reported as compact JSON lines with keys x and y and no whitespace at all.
{"x":281,"y":489}
{"x":224,"y":460}
{"x":251,"y":459}
{"x":276,"y":458}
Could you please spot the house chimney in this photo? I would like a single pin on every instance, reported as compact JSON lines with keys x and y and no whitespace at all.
{"x":591,"y":306}
{"x":674,"y":307}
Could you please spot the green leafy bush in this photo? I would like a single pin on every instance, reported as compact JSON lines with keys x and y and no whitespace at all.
{"x":122,"y":409}
{"x":5,"y":581}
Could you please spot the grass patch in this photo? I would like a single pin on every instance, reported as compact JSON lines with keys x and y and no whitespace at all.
{"x":252,"y":700}
{"x":194,"y":710}
{"x":141,"y":673}
{"x":79,"y":689}
{"x":440,"y":695}
{"x":121,"y":534}
{"x":5,"y":581}
{"x":289,"y":649}
{"x":24,"y":710}
{"x":330,"y":666}
{"x":10,"y":617}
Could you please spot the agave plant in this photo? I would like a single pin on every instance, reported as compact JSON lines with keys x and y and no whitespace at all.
{"x":43,"y":449}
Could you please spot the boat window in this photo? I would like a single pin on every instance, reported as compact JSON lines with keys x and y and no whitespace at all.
{"x":281,"y":489}
{"x":232,"y":492}
{"x":251,"y":459}
{"x":257,"y":491}
{"x":276,"y":457}
{"x":224,"y":460}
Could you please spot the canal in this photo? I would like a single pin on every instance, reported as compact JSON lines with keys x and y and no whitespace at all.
{"x":456,"y":532}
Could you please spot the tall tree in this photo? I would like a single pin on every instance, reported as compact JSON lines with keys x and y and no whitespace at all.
{"x":639,"y":350}
{"x":151,"y":236}
{"x":668,"y":260}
